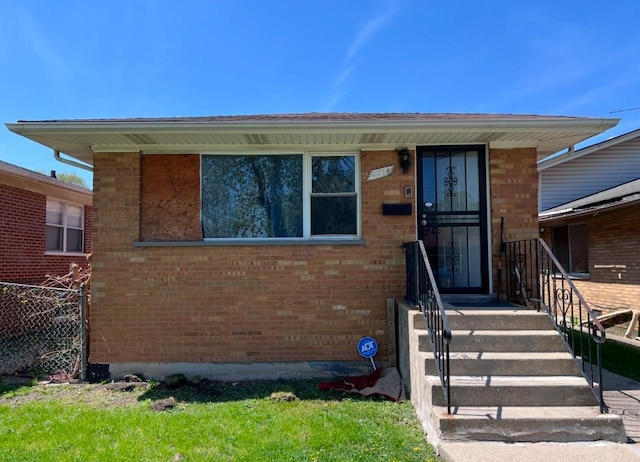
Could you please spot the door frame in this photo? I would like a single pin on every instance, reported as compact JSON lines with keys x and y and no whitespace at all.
{"x":484,"y":212}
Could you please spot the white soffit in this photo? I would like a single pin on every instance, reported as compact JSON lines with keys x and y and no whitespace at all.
{"x":80,"y":139}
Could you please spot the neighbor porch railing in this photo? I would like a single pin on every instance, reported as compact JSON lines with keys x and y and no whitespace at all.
{"x":536,"y":279}
{"x":423,"y":292}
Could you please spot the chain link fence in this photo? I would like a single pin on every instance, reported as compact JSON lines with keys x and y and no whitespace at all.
{"x":42,"y":330}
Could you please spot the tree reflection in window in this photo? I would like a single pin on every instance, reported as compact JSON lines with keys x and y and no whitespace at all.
{"x":252,"y":196}
{"x":334,"y":201}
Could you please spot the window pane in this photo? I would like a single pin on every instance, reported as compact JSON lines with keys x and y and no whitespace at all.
{"x":74,"y":240}
{"x":333,"y":174}
{"x":561,"y":246}
{"x":473,"y":181}
{"x":252,"y":196}
{"x":334,"y":215}
{"x":54,"y":238}
{"x":446,"y":182}
{"x":579,"y":249}
{"x":74,"y":216}
{"x":55,"y":212}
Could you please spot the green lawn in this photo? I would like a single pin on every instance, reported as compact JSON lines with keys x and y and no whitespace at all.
{"x":620,"y":358}
{"x":257,"y":421}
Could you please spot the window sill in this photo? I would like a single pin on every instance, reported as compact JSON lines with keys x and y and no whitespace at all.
{"x":249,"y":242}
{"x":58,"y":253}
{"x":575,"y":276}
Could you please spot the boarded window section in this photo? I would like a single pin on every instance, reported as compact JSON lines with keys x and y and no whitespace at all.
{"x":570,"y":245}
{"x":252,"y":196}
{"x":64,"y":227}
{"x":334,"y":200}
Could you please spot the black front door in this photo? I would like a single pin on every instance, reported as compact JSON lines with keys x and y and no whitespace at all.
{"x":452,"y":216}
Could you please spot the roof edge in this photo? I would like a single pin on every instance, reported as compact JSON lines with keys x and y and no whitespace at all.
{"x":120,"y":125}
{"x":549,"y":162}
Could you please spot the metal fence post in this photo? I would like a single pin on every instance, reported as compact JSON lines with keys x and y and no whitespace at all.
{"x":83,"y":332}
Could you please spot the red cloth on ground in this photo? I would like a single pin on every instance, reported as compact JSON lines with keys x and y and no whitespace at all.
{"x":381,"y":382}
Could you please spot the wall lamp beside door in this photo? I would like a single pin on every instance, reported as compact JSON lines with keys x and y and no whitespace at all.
{"x":405,"y":159}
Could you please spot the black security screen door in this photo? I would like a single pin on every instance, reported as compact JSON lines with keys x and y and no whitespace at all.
{"x":452,"y":216}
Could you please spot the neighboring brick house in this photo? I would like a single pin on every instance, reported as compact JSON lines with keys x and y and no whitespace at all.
{"x":595,"y":237}
{"x":45,"y":225}
{"x":246,"y":246}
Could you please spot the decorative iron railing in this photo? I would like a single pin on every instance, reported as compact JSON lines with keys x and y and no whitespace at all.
{"x":536,"y":279}
{"x":422,"y":291}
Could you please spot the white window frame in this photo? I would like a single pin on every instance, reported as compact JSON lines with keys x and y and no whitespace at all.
{"x":65,"y":227}
{"x":306,"y":197}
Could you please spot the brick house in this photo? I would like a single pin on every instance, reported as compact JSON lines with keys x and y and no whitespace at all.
{"x":45,"y":226}
{"x":595,"y":236}
{"x":246,"y":246}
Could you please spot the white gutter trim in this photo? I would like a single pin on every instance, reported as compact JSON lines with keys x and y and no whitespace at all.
{"x":345,"y":126}
{"x":543,"y":215}
{"x":73,"y":163}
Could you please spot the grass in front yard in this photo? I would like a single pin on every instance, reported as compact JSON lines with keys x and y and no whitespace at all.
{"x":252,"y":421}
{"x":618,"y":357}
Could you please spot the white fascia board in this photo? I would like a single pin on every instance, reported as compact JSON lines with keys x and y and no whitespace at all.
{"x":544,"y":215}
{"x":344,"y":126}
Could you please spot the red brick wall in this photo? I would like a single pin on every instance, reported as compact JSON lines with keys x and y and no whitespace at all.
{"x":263,"y":302}
{"x":614,"y":257}
{"x":22,"y":238}
{"x":240,"y":303}
{"x":514,"y":195}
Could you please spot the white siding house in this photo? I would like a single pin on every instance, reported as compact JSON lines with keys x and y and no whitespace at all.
{"x":592,"y":169}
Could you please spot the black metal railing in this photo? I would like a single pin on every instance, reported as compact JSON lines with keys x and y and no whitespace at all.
{"x":422,"y":291}
{"x":537,"y":280}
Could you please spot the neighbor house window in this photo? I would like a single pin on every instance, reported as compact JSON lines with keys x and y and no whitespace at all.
{"x":64,"y":227}
{"x":292,"y":196}
{"x":570,"y":246}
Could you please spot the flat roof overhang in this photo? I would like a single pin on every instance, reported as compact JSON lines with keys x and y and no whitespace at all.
{"x":80,"y":139}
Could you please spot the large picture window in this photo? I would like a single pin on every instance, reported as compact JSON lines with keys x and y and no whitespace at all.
{"x":64,"y":227}
{"x":292,"y":196}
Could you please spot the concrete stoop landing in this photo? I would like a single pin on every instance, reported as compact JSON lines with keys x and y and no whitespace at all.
{"x":512,"y":380}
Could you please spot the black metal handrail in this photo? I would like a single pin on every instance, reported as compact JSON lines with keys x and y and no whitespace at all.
{"x":536,"y":279}
{"x":422,"y":291}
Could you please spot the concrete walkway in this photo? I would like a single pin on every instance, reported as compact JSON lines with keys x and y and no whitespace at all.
{"x":622,"y":395}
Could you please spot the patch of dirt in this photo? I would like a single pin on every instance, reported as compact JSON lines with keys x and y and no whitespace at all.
{"x":164,"y":404}
{"x":135,"y":391}
{"x":114,"y":394}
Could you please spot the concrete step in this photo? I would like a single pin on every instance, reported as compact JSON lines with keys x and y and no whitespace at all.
{"x":528,"y":424}
{"x":509,"y":364}
{"x":489,"y":319}
{"x":474,"y":319}
{"x":516,"y":391}
{"x":501,"y":340}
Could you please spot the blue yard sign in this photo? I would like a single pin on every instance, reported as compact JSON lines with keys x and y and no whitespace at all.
{"x":368,"y":347}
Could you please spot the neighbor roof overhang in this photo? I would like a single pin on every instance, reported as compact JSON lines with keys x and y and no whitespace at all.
{"x":80,"y":139}
{"x":549,"y":162}
{"x":21,"y":178}
{"x":619,"y":196}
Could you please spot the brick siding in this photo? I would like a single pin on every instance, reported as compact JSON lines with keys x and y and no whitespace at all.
{"x":255,"y":303}
{"x":514,"y":196}
{"x":22,"y":239}
{"x":614,"y":257}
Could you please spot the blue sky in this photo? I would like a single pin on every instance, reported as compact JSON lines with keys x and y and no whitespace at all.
{"x":146,"y":58}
